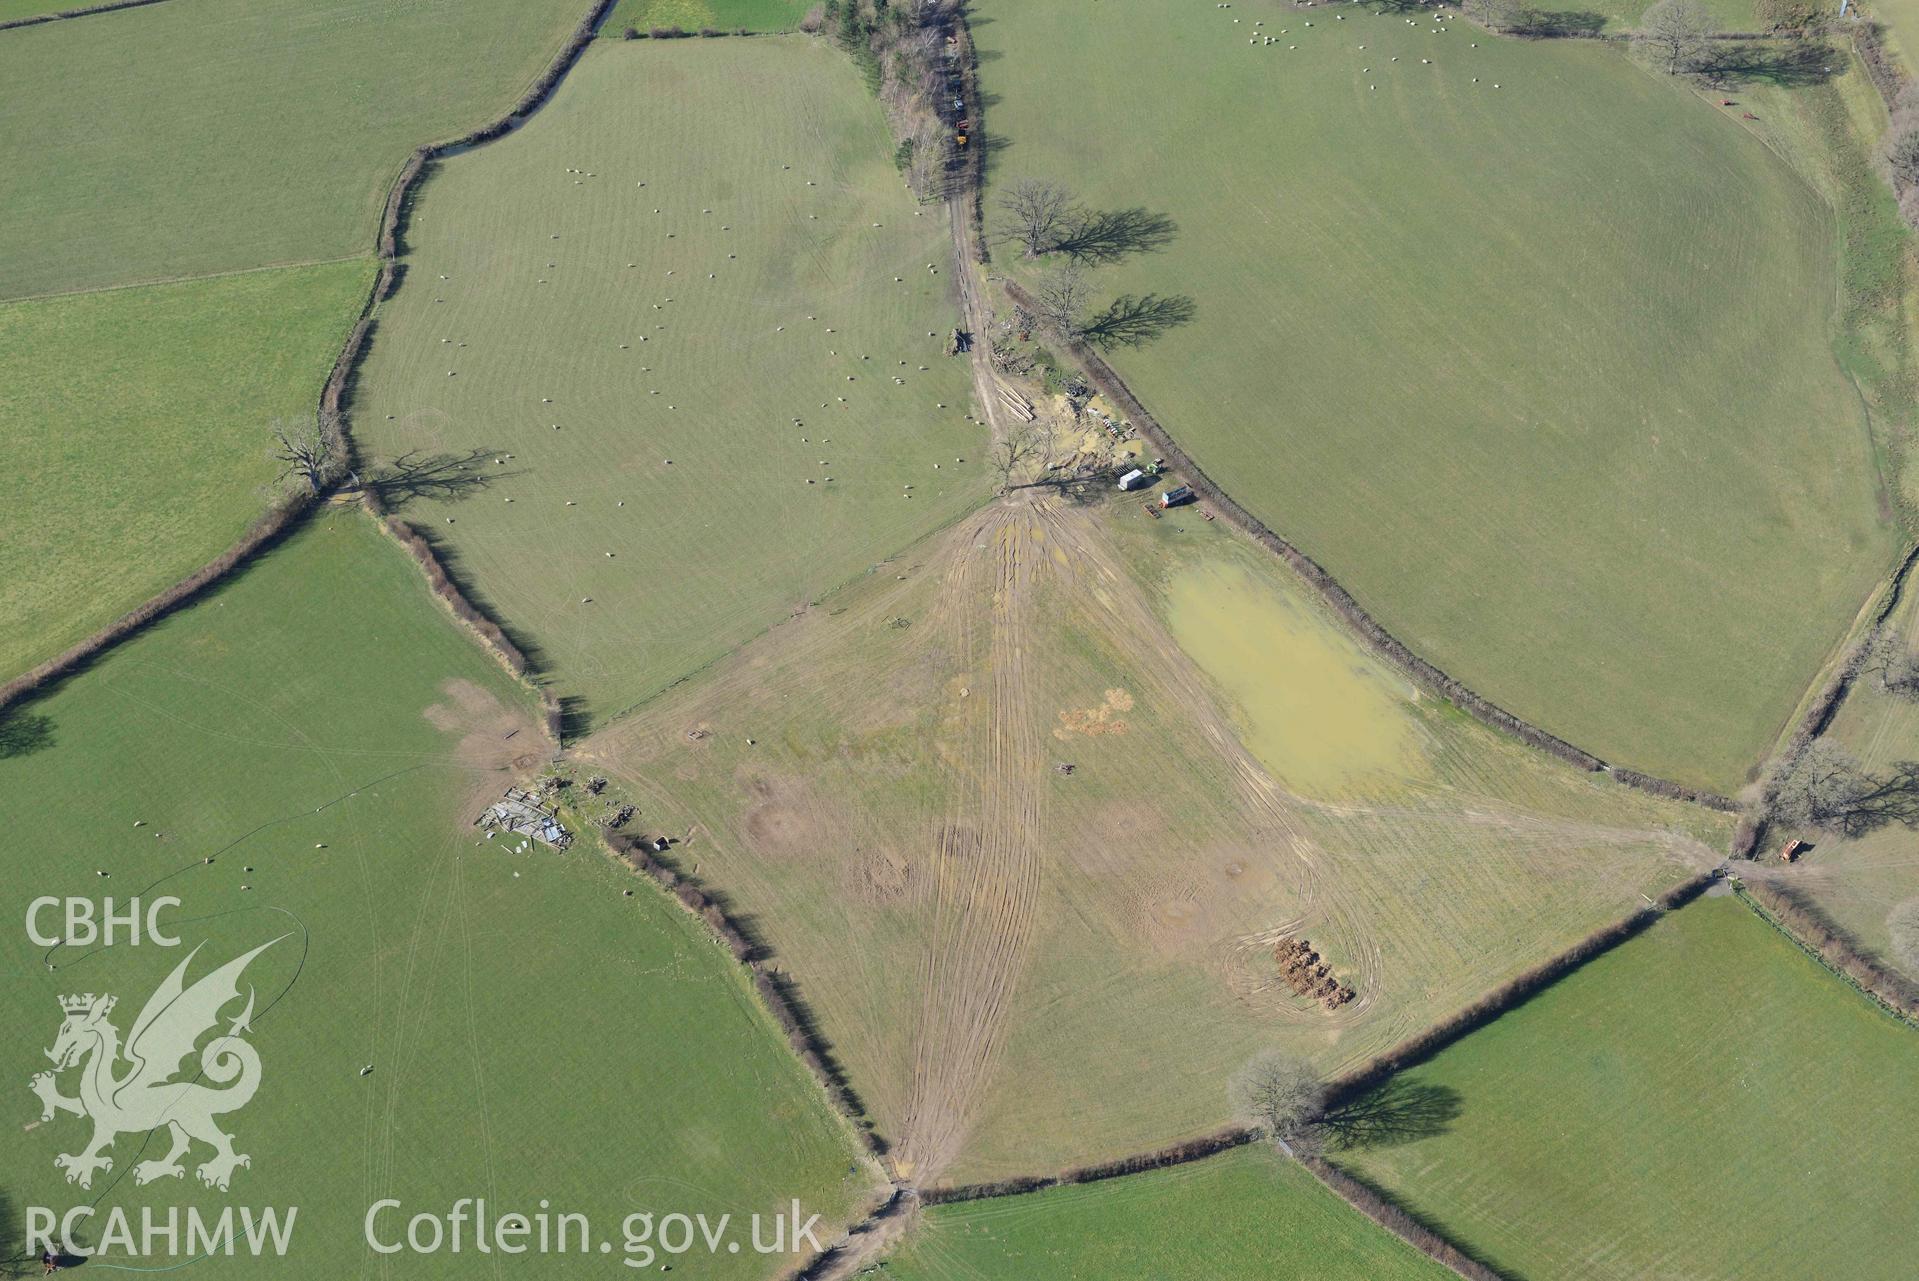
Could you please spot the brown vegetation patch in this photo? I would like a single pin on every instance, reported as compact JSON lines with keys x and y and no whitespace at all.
{"x":493,"y":736}
{"x":496,"y":743}
{"x":883,"y":878}
{"x":785,"y":821}
{"x":1002,"y":952}
{"x":1094,"y":721}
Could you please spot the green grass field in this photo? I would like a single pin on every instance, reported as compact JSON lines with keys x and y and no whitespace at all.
{"x":1619,"y":17}
{"x":1245,"y":1213}
{"x":1831,"y":134}
{"x":1901,"y":19}
{"x":1543,"y":418}
{"x":138,"y":424}
{"x":324,"y":733}
{"x":13,"y":9}
{"x":1024,"y":968}
{"x":1704,"y":1101}
{"x":200,"y":136}
{"x":695,"y":15}
{"x":700,"y":380}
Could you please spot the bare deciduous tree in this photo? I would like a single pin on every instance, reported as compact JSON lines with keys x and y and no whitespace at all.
{"x":1826,"y":787}
{"x":1677,"y":31}
{"x":1027,"y":448}
{"x":1818,"y":786}
{"x":1276,"y":1093}
{"x":1039,"y":214}
{"x":1902,"y":152}
{"x":1060,"y":301}
{"x":313,"y":447}
{"x":1892,"y":665}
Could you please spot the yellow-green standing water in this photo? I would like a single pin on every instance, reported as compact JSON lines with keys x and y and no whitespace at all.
{"x":1307,"y":702}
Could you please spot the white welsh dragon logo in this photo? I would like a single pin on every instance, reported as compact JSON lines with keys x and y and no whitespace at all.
{"x":146,"y":1096}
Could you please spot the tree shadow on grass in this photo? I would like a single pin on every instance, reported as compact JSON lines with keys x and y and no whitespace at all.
{"x":1398,"y":1112}
{"x":23,"y":733}
{"x":1884,"y":799}
{"x":1114,"y":233}
{"x":1079,"y":485}
{"x":1789,"y":65}
{"x":1133,"y":320}
{"x":1558,"y":24}
{"x":443,"y":477}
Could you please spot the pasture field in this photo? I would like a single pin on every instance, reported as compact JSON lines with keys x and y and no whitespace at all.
{"x":1869,"y":884}
{"x":1543,"y":420}
{"x":1621,"y":17}
{"x":201,"y":136}
{"x":138,"y":425}
{"x":693,"y":15}
{"x":1901,"y":20}
{"x":685,"y":333}
{"x":1244,"y":1213}
{"x":1831,"y":132}
{"x":11,"y":10}
{"x":1704,"y":1101}
{"x":300,"y":757}
{"x":1026,"y":837}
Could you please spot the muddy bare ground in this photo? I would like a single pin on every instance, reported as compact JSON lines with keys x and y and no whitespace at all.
{"x":1024,"y":966}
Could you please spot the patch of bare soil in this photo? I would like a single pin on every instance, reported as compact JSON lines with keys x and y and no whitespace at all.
{"x":1094,"y":721}
{"x":986,"y":868}
{"x":914,"y":911}
{"x":883,"y":878}
{"x":780,"y":821}
{"x":494,"y":742}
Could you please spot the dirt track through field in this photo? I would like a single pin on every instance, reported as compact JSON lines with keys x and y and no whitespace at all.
{"x":974,"y":311}
{"x":986,"y":864}
{"x":875,"y":783}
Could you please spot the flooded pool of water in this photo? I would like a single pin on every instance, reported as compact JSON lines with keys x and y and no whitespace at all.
{"x":1307,"y":701}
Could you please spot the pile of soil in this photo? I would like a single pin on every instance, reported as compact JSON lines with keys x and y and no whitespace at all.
{"x":1309,"y":976}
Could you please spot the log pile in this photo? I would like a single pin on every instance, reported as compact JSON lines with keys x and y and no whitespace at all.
{"x":1308,"y":975}
{"x":1016,"y":404}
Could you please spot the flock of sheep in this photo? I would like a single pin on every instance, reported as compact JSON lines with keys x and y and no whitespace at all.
{"x":548,"y":274}
{"x":1439,"y":17}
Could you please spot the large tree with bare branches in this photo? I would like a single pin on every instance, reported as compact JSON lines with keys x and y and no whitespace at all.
{"x":312,"y":447}
{"x":1677,"y":32}
{"x":1825,"y":786}
{"x":1026,"y":449}
{"x":1059,"y":300}
{"x":1037,"y":215}
{"x":1892,"y":664}
{"x":1277,"y":1093}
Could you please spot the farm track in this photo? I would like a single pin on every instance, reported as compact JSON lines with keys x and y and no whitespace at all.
{"x":986,"y":864}
{"x":974,"y":311}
